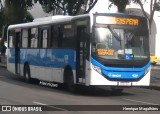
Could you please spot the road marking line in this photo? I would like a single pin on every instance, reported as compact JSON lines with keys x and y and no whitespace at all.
{"x":140,"y":101}
{"x":49,"y":106}
{"x":39,"y":103}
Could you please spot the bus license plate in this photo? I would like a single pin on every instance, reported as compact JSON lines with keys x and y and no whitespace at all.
{"x":124,"y":83}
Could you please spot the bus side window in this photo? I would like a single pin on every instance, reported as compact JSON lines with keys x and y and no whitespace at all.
{"x":34,"y":38}
{"x":49,"y":45}
{"x":12,"y":39}
{"x":25,"y":38}
{"x":29,"y":37}
{"x":60,"y":36}
{"x":68,"y":39}
{"x":54,"y":36}
{"x":44,"y":38}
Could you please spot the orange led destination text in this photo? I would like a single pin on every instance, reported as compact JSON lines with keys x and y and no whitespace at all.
{"x":102,"y":52}
{"x":127,"y":21}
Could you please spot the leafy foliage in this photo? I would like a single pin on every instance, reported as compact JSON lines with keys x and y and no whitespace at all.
{"x":70,"y":7}
{"x":14,"y":11}
{"x":121,"y":4}
{"x":157,"y":6}
{"x":1,"y":20}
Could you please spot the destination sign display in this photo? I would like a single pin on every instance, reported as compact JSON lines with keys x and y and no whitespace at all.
{"x":117,"y":20}
{"x":102,"y":52}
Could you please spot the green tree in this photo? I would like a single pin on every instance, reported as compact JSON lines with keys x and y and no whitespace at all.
{"x":13,"y":12}
{"x":1,"y":16}
{"x":1,"y":23}
{"x":27,"y":17}
{"x":121,"y":4}
{"x":1,"y":20}
{"x":70,"y":7}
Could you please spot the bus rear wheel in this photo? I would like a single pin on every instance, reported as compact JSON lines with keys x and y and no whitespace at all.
{"x":27,"y":75}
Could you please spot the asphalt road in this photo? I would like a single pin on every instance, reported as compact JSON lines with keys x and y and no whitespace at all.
{"x":14,"y":91}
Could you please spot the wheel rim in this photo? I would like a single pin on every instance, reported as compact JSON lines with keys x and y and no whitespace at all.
{"x":27,"y":76}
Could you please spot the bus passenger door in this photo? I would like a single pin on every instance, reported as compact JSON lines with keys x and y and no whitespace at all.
{"x":81,"y":55}
{"x":17,"y":52}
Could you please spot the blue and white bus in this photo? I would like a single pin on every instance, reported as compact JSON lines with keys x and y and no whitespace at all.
{"x":100,"y":49}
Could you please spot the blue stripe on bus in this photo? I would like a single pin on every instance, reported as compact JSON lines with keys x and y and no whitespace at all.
{"x":121,"y":73}
{"x":57,"y":58}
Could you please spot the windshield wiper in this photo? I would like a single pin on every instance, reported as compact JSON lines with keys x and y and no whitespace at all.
{"x":129,"y":37}
{"x":114,"y":33}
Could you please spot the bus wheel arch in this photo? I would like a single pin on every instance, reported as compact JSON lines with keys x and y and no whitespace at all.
{"x":26,"y":73}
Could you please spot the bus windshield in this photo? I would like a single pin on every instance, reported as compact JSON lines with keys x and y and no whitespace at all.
{"x":120,"y":43}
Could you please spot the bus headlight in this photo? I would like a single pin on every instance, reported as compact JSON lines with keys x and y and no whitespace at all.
{"x":147,"y":70}
{"x":98,"y":69}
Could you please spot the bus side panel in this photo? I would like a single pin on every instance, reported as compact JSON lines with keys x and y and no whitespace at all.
{"x":11,"y":67}
{"x":48,"y":64}
{"x":11,"y":60}
{"x":21,"y":69}
{"x":41,"y":73}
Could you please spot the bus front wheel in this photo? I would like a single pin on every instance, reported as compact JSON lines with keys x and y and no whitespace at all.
{"x":69,"y":81}
{"x":70,"y":84}
{"x":27,"y":75}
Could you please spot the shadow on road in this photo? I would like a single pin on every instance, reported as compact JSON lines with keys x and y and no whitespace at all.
{"x":10,"y":78}
{"x":100,"y":92}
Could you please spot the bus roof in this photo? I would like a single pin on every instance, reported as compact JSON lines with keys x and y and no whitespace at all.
{"x":47,"y":20}
{"x":60,"y":19}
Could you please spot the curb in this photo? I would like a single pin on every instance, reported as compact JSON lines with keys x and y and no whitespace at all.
{"x":155,"y":67}
{"x":158,"y":64}
{"x":155,"y":87}
{"x":152,"y":87}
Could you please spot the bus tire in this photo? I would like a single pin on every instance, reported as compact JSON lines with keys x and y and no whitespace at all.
{"x":69,"y":81}
{"x":27,"y":74}
{"x":70,"y":84}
